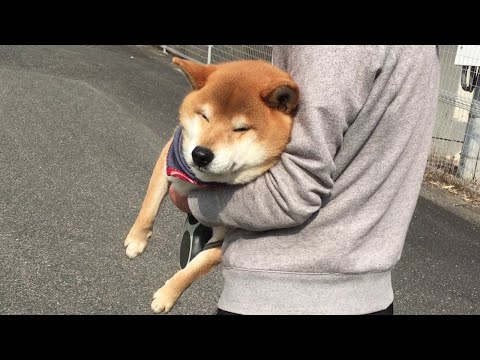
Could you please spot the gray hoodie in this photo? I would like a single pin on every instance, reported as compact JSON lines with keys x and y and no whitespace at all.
{"x":320,"y":232}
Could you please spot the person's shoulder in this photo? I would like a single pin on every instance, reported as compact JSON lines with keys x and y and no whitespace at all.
{"x":413,"y":50}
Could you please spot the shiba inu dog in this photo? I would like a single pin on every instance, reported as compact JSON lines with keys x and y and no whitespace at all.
{"x":234,"y":125}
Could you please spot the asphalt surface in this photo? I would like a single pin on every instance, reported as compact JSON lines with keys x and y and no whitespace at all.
{"x":81,"y":129}
{"x":439,"y":271}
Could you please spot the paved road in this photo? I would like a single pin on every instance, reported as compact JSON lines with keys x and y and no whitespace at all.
{"x":439,"y":272}
{"x":81,"y":128}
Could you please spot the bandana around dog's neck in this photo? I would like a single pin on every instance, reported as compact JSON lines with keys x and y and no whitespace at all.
{"x":178,"y":167}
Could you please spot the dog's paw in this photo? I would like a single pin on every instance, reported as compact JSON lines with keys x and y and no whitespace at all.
{"x":163,"y":300}
{"x":135,"y":244}
{"x":135,"y":248}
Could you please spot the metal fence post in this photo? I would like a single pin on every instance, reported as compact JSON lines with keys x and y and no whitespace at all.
{"x":469,"y":167}
{"x":209,"y":54}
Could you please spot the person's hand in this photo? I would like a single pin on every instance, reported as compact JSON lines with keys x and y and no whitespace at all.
{"x":180,"y":201}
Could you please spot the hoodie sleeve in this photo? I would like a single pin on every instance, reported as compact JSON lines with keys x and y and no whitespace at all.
{"x":334,"y":83}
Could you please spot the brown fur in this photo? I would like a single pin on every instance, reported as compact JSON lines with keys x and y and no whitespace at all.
{"x":265,"y":99}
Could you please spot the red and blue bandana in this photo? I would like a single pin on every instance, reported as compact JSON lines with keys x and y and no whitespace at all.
{"x":178,"y":167}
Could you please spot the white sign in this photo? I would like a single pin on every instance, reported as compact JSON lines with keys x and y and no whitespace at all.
{"x":468,"y":55}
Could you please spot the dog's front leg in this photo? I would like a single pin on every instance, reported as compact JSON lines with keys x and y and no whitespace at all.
{"x":137,"y":238}
{"x":165,"y":297}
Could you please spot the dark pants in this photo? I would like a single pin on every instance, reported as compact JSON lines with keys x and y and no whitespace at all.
{"x":387,"y":311}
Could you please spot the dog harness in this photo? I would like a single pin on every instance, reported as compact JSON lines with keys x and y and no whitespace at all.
{"x":177,"y":165}
{"x":196,"y":237}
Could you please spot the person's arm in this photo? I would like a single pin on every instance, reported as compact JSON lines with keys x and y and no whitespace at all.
{"x":334,"y":83}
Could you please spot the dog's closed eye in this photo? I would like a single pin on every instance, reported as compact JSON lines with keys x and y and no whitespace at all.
{"x":203,"y":115}
{"x":241,"y":129}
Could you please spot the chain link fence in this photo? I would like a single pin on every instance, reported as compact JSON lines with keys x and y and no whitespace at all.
{"x":455,"y":150}
{"x":213,"y":54}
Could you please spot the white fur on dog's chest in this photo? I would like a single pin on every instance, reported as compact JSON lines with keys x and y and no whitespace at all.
{"x":182,"y":187}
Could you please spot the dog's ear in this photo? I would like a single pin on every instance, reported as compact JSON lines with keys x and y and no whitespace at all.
{"x":196,"y":73}
{"x":282,"y":95}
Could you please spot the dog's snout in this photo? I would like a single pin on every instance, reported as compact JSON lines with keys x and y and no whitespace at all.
{"x":202,"y":156}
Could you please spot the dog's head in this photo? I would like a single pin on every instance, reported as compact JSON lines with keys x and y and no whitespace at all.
{"x":237,"y":119}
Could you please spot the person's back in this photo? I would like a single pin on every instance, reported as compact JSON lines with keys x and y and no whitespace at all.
{"x":342,"y":197}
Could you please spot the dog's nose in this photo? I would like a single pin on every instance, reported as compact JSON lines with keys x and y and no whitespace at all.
{"x":202,"y":156}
